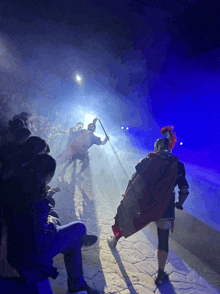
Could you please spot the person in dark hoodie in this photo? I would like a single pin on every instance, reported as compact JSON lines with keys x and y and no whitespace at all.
{"x":9,"y":133}
{"x":13,"y":155}
{"x":12,"y":148}
{"x":33,"y":238}
{"x":24,"y":116}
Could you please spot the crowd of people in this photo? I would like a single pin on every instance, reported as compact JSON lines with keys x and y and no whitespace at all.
{"x":31,"y":233}
{"x":29,"y":224}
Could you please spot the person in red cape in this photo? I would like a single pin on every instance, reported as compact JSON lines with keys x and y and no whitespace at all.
{"x":150,"y":197}
{"x":79,"y":143}
{"x":88,"y":139}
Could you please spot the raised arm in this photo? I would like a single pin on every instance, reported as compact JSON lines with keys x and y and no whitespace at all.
{"x":105,"y":140}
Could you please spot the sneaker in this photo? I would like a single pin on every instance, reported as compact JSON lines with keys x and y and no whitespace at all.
{"x":162,"y":278}
{"x":112,"y":242}
{"x":89,"y":240}
{"x":85,"y":290}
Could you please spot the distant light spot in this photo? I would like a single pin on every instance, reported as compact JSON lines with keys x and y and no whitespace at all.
{"x":78,"y":78}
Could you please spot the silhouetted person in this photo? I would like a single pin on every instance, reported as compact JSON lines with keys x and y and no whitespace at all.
{"x":24,"y":116}
{"x":10,"y":149}
{"x":7,"y":134}
{"x":13,"y":156}
{"x":80,"y":141}
{"x":33,"y":238}
{"x":80,"y":147}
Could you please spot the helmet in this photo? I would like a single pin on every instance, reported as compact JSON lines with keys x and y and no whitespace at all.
{"x":91,"y":127}
{"x":168,"y":143}
{"x":162,"y":145}
{"x":79,"y":126}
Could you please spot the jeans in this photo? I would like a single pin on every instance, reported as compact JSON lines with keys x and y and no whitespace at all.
{"x":67,"y":241}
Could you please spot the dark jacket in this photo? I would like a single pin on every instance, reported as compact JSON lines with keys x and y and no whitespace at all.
{"x":25,"y":212}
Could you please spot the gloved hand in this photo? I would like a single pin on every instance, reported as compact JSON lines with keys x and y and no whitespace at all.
{"x":107,"y":137}
{"x":178,"y":206}
{"x":95,"y":120}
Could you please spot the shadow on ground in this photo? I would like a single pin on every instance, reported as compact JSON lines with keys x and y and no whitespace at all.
{"x":75,"y":202}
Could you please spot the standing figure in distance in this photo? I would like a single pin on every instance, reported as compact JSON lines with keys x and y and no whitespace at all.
{"x":82,"y":140}
{"x":74,"y":132}
{"x":89,"y":139}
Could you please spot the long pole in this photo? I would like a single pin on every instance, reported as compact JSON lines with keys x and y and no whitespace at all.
{"x":103,"y":128}
{"x":114,"y":151}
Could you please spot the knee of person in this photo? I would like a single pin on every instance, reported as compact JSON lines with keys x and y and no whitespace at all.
{"x":163,"y":224}
{"x":80,"y":226}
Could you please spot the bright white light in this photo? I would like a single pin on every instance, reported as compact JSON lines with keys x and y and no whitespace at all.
{"x":127,"y":128}
{"x":181,"y":143}
{"x":122,"y":128}
{"x":78,"y":78}
{"x":88,"y":119}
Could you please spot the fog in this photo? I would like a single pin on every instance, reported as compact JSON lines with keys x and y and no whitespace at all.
{"x":133,"y":76}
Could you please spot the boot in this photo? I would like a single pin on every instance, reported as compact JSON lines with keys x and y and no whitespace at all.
{"x":112,"y":242}
{"x":88,"y":240}
{"x":84,"y":290}
{"x":162,"y":277}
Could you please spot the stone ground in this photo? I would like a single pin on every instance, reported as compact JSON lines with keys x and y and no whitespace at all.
{"x":131,"y":267}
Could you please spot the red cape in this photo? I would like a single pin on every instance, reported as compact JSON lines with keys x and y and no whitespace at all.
{"x":148,"y":196}
{"x":77,"y":143}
